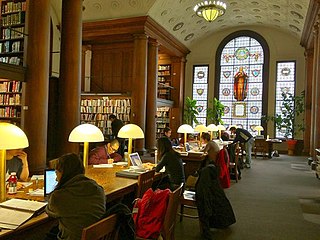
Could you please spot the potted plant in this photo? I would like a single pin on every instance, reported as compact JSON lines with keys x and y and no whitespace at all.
{"x":190,"y":111}
{"x":292,"y":110}
{"x":215,"y":113}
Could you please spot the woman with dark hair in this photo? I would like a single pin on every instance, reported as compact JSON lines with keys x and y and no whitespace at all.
{"x":171,"y":161}
{"x":211,"y":148}
{"x":77,"y":201}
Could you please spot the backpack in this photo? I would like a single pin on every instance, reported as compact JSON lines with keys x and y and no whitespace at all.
{"x":149,"y":213}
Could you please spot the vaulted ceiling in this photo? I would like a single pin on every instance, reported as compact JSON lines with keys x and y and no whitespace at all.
{"x":178,"y":17}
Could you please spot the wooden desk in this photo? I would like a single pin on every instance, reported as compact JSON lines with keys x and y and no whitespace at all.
{"x":193,"y":163}
{"x":114,"y":187}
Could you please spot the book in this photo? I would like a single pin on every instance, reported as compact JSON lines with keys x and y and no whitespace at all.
{"x":15,"y":212}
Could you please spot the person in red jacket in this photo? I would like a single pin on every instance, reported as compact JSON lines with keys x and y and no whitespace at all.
{"x":100,"y":155}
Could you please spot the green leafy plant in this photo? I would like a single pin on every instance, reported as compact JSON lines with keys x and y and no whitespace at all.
{"x":292,"y":109}
{"x":215,"y":113}
{"x":190,"y":111}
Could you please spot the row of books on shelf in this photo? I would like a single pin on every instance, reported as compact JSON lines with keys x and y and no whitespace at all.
{"x":105,"y":101}
{"x":12,"y":33}
{"x":12,"y":112}
{"x":13,"y":19}
{"x":106,"y":110}
{"x":103,"y":117}
{"x":104,"y":129}
{"x":10,"y":99}
{"x":164,"y":73}
{"x":162,"y":79}
{"x":8,"y":7}
{"x":11,"y":60}
{"x":164,"y":67}
{"x":6,"y":47}
{"x":10,"y":86}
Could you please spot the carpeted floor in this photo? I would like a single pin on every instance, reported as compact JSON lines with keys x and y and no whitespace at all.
{"x":277,"y":199}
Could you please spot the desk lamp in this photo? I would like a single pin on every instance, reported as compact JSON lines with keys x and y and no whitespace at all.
{"x":259,"y":129}
{"x":86,"y":133}
{"x":200,"y":129}
{"x":221,"y":128}
{"x":212,"y":128}
{"x":185,"y":129}
{"x":12,"y":137}
{"x":130,"y":131}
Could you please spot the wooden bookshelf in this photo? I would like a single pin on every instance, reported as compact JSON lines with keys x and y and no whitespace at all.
{"x":164,"y":81}
{"x":10,"y":101}
{"x":163,"y":120}
{"x":96,"y":109}
{"x":12,"y":31}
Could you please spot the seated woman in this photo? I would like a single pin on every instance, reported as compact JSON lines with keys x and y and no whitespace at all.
{"x":171,"y":161}
{"x":77,"y":201}
{"x":16,"y":161}
{"x":211,"y":148}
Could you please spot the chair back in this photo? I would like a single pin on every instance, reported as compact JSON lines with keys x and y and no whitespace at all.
{"x":105,"y":229}
{"x":145,"y":181}
{"x":171,"y":213}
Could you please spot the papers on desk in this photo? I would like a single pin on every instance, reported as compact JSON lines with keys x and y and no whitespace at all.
{"x":37,"y":193}
{"x":35,"y":177}
{"x":104,"y":165}
{"x":26,"y":184}
{"x":15,"y":212}
{"x":121,"y":164}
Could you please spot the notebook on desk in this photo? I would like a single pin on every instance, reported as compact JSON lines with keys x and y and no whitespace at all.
{"x":130,"y":173}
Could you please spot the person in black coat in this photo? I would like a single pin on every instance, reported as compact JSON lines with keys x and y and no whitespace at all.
{"x":214,"y":208}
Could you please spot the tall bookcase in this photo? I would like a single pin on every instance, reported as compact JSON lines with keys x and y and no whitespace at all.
{"x":10,"y":101}
{"x":164,"y":81}
{"x":12,"y":29}
{"x":96,"y":109}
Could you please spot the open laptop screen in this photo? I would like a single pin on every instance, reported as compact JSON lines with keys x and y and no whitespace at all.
{"x":50,"y":181}
{"x":135,"y":159}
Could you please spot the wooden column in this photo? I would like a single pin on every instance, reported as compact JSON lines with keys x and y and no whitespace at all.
{"x":152,"y":88}
{"x":308,"y":100}
{"x":178,"y":78}
{"x":70,"y":73}
{"x":37,"y":86}
{"x":139,"y":86}
{"x":317,"y":93}
{"x":314,"y":81}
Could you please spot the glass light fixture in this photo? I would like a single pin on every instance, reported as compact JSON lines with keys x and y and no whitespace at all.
{"x":130,"y":131}
{"x":12,"y":137}
{"x":86,"y":133}
{"x":210,"y":10}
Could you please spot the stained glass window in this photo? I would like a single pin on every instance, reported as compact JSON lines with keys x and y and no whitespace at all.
{"x":241,"y":82}
{"x":200,"y":91}
{"x":286,"y":76}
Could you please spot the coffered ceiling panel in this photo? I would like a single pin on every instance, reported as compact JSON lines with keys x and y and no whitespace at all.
{"x":178,"y":17}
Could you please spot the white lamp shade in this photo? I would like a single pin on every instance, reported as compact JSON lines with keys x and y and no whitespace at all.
{"x":201,"y":128}
{"x":130,"y":131}
{"x":212,"y":128}
{"x":221,"y":127}
{"x":86,"y":133}
{"x":185,"y":128}
{"x":258,"y":128}
{"x":12,"y":137}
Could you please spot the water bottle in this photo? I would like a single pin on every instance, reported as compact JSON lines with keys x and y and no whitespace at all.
{"x":12,"y":181}
{"x":156,"y":157}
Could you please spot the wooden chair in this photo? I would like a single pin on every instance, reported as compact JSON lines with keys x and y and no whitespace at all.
{"x":233,"y":165}
{"x":145,"y":181}
{"x":260,"y":145}
{"x":105,"y":229}
{"x":186,"y":202}
{"x":169,"y":222}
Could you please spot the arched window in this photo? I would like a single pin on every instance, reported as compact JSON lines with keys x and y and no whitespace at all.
{"x":242,"y":63}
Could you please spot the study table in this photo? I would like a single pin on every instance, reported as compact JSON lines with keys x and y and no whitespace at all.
{"x":114,"y":187}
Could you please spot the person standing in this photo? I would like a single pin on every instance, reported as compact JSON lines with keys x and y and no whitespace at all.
{"x":116,"y":125}
{"x":243,"y":136}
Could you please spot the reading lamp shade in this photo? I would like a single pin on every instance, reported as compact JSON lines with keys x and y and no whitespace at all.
{"x":86,"y":133}
{"x":201,"y":128}
{"x":12,"y":137}
{"x":185,"y":128}
{"x":259,"y":129}
{"x":212,"y":128}
{"x":130,"y":131}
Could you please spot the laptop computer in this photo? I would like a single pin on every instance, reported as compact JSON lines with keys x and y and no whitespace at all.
{"x":135,"y":159}
{"x":50,"y":181}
